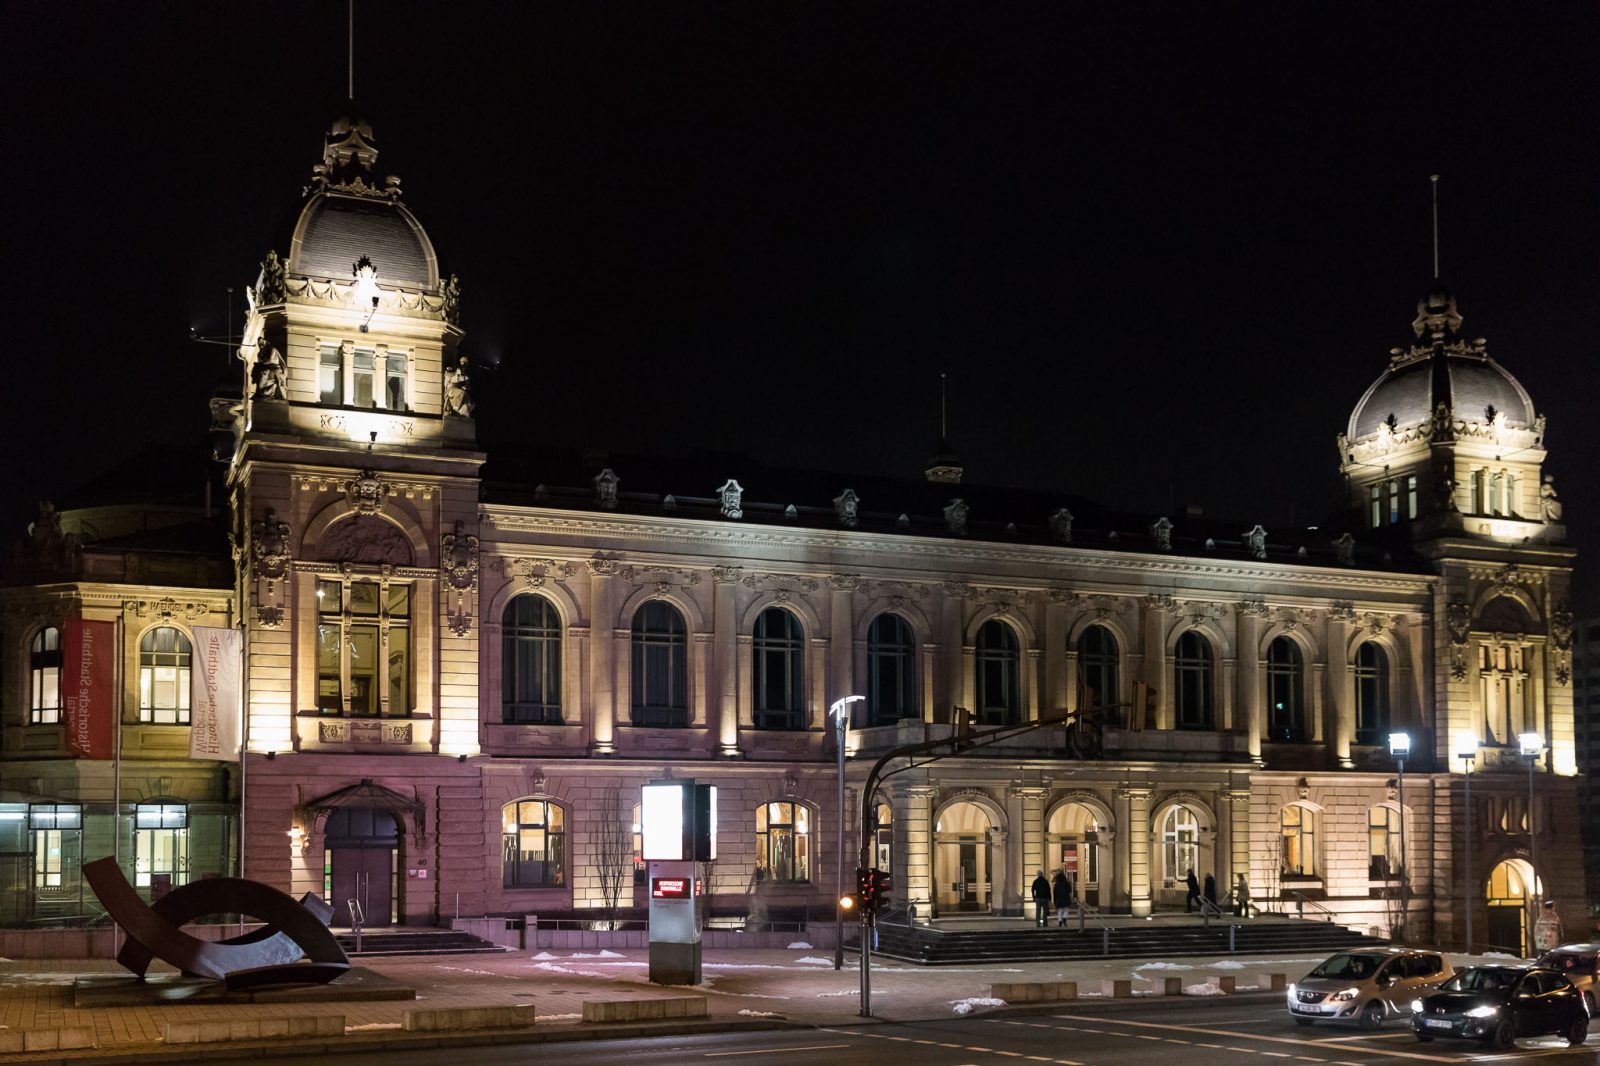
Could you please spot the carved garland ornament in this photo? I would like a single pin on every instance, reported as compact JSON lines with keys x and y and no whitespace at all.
{"x":534,"y":572}
{"x":1458,"y":618}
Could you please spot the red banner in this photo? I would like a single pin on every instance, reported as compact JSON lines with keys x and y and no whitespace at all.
{"x":88,"y":688}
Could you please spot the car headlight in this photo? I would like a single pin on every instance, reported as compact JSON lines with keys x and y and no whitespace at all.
{"x":1483,"y":1012}
{"x":1291,"y":988}
{"x":1416,"y":1006}
{"x":1347,"y":994}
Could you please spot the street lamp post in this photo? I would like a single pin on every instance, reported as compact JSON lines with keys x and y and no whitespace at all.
{"x":1467,"y":752}
{"x":1399,"y":749}
{"x":1532,"y":745}
{"x":840,"y":711}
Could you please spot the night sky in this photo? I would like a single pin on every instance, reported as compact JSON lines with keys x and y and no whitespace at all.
{"x":1159,"y":250}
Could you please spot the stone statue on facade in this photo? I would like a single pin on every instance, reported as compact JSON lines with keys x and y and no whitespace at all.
{"x":271,"y":287}
{"x":1061,"y":526}
{"x":732,"y":496}
{"x":847,"y":506}
{"x":458,"y":390}
{"x":270,"y":373}
{"x":1255,"y":542}
{"x":1549,"y":506}
{"x":450,"y":294}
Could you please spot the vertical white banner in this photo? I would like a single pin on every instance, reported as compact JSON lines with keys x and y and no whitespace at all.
{"x":215,"y":704}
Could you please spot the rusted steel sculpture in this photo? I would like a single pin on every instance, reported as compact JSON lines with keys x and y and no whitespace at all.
{"x":268,"y":956}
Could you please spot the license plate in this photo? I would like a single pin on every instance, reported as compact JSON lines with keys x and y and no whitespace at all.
{"x":1437,"y":1023}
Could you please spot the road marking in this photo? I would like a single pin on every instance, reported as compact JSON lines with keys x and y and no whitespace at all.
{"x":903,"y":1039}
{"x":769,"y":1051}
{"x":1247,"y":1036}
{"x":1277,"y":1054}
{"x":1243,"y":1050}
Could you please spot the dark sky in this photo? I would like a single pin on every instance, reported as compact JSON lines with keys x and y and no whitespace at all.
{"x":1160,"y":250}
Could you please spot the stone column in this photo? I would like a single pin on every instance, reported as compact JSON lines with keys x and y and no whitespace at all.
{"x":1001,"y":892}
{"x":1341,"y":691}
{"x":1032,"y":707}
{"x":1028,"y":812}
{"x":913,"y":833}
{"x":1138,"y":834}
{"x":841,"y":655}
{"x":1247,"y":655}
{"x":1313,"y":694}
{"x":1236,"y":812}
{"x":952,"y":614}
{"x":1118,"y":893}
{"x":602,"y":677}
{"x":1228,"y":687}
{"x":1154,"y":625}
{"x":725,"y":649}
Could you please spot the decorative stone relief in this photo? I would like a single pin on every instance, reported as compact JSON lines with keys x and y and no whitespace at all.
{"x":1550,"y":508}
{"x":844,"y":582}
{"x":959,"y":589}
{"x":1253,"y":608}
{"x":955,"y":517}
{"x":534,"y":572}
{"x":602,"y":567}
{"x":731,"y":494}
{"x":364,"y":539}
{"x":605,"y":489}
{"x":450,"y":300}
{"x":269,"y":617}
{"x":459,"y":551}
{"x":1375,"y":623}
{"x":1160,"y":602}
{"x":1458,"y":618}
{"x":366,"y":492}
{"x":1161,"y":534}
{"x":727,"y":575}
{"x":269,"y":547}
{"x":1061,"y":526}
{"x":1342,"y":611}
{"x":459,"y":621}
{"x":1344,"y":549}
{"x":1065,"y":596}
{"x":1255,"y":542}
{"x":761,"y":581}
{"x":1561,"y":635}
{"x":846,"y":506}
{"x":166,"y":609}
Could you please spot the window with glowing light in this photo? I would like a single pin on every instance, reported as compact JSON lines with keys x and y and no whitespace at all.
{"x":779,"y":647}
{"x":160,"y":844}
{"x":1297,"y":831}
{"x":530,"y":661}
{"x":363,"y":382}
{"x":394,"y":386}
{"x":330,"y":374}
{"x":660,"y":679}
{"x":999,"y":678}
{"x":363,"y":648}
{"x":44,"y":677}
{"x":534,"y":838}
{"x":164,"y":662}
{"x":57,"y":830}
{"x":891,"y":670}
{"x":783,"y":842}
{"x":1383,"y":843}
{"x":1180,"y":843}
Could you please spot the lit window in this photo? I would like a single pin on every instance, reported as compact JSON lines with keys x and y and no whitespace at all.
{"x":164,"y":657}
{"x":530,"y":668}
{"x":1180,"y":843}
{"x":891,"y":670}
{"x":779,"y":645}
{"x":783,"y":842}
{"x":1411,"y":496}
{"x":1375,"y":497}
{"x":57,"y":830}
{"x":1383,"y":844}
{"x":394,"y":388}
{"x":660,"y":666}
{"x":535,"y":845}
{"x":999,"y":681}
{"x":160,"y":845}
{"x":44,"y":677}
{"x":1286,"y":718}
{"x":363,"y":648}
{"x":362,"y":378}
{"x":1193,"y":705}
{"x":1297,"y":827}
{"x":883,"y":836}
{"x":1394,"y":502}
{"x":330,"y":374}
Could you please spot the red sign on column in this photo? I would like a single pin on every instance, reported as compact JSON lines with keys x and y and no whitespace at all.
{"x":87,"y":688}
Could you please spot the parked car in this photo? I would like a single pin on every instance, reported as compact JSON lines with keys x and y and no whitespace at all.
{"x":1579,"y":964}
{"x":1497,"y":1004}
{"x":1366,"y":986}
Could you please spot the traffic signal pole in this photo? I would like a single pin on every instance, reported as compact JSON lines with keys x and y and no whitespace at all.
{"x":959,"y":741}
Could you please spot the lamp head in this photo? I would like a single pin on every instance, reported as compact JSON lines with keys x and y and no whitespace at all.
{"x":1466,"y":747}
{"x":1400,"y":745}
{"x":841,"y":707}
{"x":1532,"y":744}
{"x":366,"y":276}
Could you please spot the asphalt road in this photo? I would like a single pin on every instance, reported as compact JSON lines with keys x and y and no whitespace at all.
{"x":1208,"y":1034}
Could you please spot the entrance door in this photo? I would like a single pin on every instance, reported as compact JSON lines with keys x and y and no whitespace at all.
{"x":363,"y":845}
{"x":1510,"y":907}
{"x":1072,"y":835}
{"x":962,"y":860}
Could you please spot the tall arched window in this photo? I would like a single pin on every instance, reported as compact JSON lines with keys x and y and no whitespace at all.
{"x":891,"y":670}
{"x":1180,"y":843}
{"x":164,"y":660}
{"x":44,"y":677}
{"x":1194,"y":698}
{"x":534,"y":839}
{"x":783,"y":841}
{"x":1297,"y":826}
{"x":780,"y":657}
{"x":1372,"y":694}
{"x":530,"y":661}
{"x":999,"y":680}
{"x":660,"y":666}
{"x":1099,"y":681}
{"x":1287,"y":721}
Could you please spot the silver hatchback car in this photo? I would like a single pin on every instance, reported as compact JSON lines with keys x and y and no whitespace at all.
{"x":1366,"y":986}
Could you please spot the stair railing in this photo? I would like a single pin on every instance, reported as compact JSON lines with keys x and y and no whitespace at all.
{"x":358,"y":918}
{"x":1105,"y":927}
{"x":1301,"y":902}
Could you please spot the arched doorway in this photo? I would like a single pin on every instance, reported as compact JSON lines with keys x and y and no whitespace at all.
{"x":1073,"y":840}
{"x":361,"y":862}
{"x":1510,"y":897}
{"x":962,"y":860}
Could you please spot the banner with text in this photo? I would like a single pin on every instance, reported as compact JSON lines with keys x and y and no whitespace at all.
{"x":215,"y":707}
{"x":88,"y":688}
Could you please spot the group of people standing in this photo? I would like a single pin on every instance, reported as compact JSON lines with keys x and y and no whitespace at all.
{"x":1061,"y":892}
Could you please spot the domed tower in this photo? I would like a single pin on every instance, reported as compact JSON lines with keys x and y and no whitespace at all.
{"x":1448,"y":441}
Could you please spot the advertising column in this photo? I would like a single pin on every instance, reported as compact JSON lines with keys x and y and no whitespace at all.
{"x":678,"y":820}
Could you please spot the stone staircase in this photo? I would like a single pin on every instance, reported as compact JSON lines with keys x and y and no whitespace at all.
{"x":404,"y":940}
{"x":1125,"y":940}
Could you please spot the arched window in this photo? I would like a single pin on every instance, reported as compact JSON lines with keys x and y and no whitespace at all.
{"x":883,"y":837}
{"x":1383,"y":843}
{"x":1099,"y":683}
{"x":1297,"y":826}
{"x":534,"y":837}
{"x":783,"y":842}
{"x":530,"y":661}
{"x":780,"y":657}
{"x":891,"y":670}
{"x":1287,"y":721}
{"x":999,"y":682}
{"x":1372,"y":694}
{"x":660,"y":666}
{"x":1194,"y":695}
{"x":1180,"y":843}
{"x":44,"y":677}
{"x":164,"y":658}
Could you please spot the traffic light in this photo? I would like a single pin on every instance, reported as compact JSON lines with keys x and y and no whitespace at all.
{"x":880,"y":889}
{"x":962,"y":733}
{"x":865,"y":893}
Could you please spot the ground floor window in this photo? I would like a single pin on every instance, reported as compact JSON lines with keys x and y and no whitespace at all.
{"x":1383,"y":844}
{"x":57,"y":830}
{"x":1298,"y":828}
{"x":783,"y":842}
{"x":535,"y":845}
{"x":1180,"y":844}
{"x":160,"y":845}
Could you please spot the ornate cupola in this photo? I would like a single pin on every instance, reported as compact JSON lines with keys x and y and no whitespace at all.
{"x":1447,"y":440}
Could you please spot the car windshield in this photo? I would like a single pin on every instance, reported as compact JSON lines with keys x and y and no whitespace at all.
{"x":1568,"y":962}
{"x":1482,"y":979}
{"x":1353,"y":967}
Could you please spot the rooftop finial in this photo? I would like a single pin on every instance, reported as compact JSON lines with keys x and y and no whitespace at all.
{"x":350,"y":41}
{"x":1434,"y":181}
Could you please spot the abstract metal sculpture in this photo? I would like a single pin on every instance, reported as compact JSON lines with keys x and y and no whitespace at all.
{"x":267,"y":956}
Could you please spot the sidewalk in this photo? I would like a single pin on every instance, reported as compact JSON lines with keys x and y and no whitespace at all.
{"x":751,"y":988}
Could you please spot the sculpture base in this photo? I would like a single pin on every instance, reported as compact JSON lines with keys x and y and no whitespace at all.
{"x":124,"y":990}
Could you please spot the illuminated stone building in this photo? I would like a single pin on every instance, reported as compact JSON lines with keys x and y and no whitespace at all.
{"x":462,"y":665}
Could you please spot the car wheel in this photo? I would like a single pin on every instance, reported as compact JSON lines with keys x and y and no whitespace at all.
{"x":1504,"y":1035}
{"x":1372,"y":1015}
{"x":1303,"y":1021}
{"x":1578,"y":1031}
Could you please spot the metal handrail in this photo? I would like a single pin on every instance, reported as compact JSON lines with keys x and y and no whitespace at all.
{"x":1301,"y":901}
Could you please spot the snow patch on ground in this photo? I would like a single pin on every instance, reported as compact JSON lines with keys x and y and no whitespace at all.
{"x":1203,"y":990}
{"x":1163,"y":966}
{"x":965,"y":1006}
{"x":601,"y":954}
{"x":1500,"y":955}
{"x":464,"y":969}
{"x":367,"y":1026}
{"x":760,"y":1014}
{"x":798,"y":945}
{"x":1225,"y":964}
{"x":559,"y":1017}
{"x":812,"y":960}
{"x":851,"y":992}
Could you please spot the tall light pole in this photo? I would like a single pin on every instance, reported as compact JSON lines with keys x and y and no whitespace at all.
{"x":1532,"y":745}
{"x":840,"y":712}
{"x":1399,"y":749}
{"x":1467,"y":752}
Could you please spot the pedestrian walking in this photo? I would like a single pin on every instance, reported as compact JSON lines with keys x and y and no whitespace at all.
{"x":1210,"y":891}
{"x":1061,"y":890}
{"x":1192,"y":899}
{"x":1241,"y":898}
{"x":1041,"y":900}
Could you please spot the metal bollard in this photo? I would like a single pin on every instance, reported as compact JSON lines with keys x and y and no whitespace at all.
{"x":1081,"y":909}
{"x":1105,"y":940}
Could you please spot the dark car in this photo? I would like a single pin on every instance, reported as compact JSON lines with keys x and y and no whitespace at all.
{"x":1497,"y":1004}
